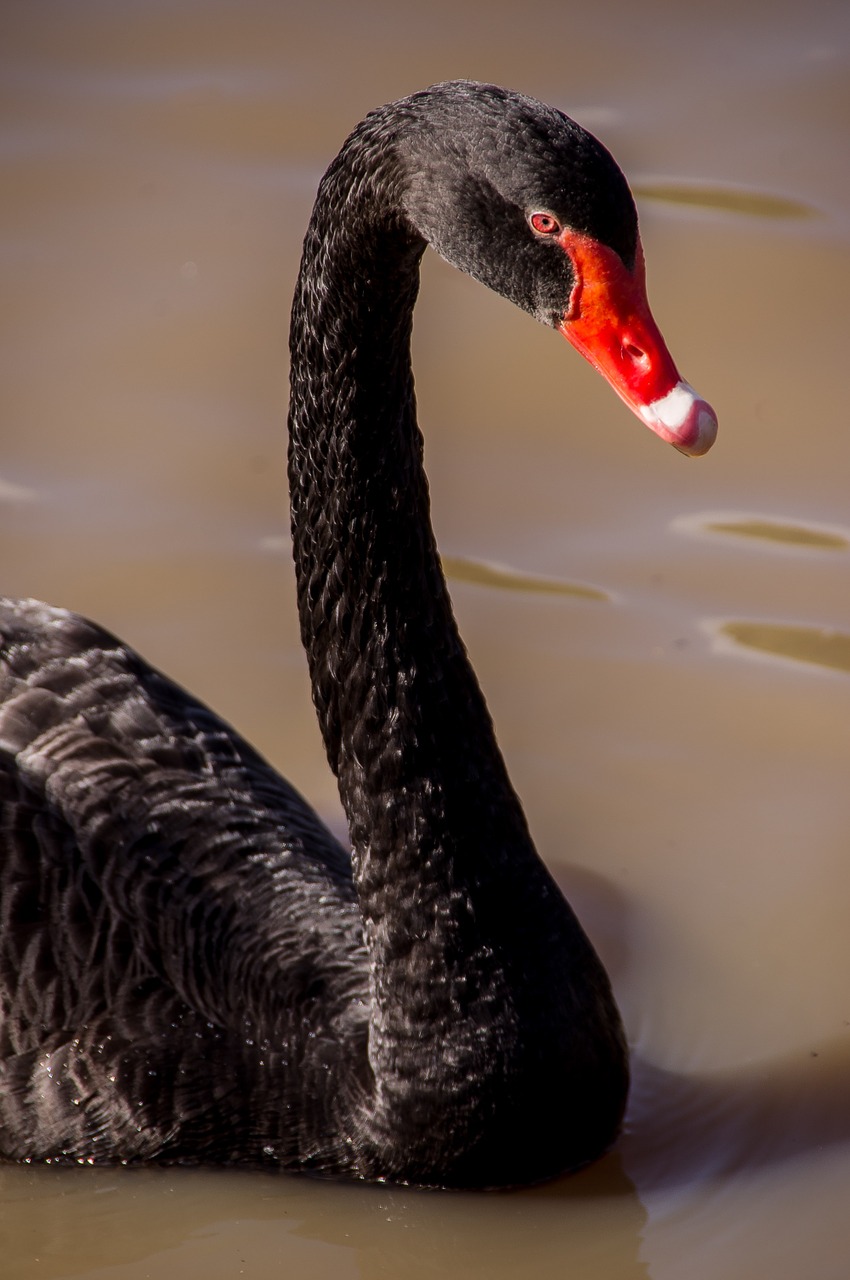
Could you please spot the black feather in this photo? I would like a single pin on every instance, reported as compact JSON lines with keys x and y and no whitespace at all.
{"x":191,"y":967}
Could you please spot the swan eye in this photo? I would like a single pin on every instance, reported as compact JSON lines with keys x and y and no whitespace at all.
{"x":544,"y":224}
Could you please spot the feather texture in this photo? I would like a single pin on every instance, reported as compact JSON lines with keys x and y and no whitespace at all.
{"x":191,"y":967}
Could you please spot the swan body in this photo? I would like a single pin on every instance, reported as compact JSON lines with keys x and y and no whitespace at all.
{"x":191,"y":967}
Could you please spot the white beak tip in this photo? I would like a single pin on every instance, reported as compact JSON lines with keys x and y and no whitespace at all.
{"x":683,"y":419}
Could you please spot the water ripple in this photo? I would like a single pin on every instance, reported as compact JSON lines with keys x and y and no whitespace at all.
{"x":815,"y":646}
{"x":776,"y":532}
{"x":738,"y":200}
{"x":486,"y":574}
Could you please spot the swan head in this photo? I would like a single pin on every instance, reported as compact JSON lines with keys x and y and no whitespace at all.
{"x":518,"y":195}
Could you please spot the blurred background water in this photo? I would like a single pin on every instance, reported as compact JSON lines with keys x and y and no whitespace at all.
{"x":664,"y":643}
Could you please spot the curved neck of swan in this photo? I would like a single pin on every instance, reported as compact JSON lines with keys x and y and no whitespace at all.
{"x":443,"y":862}
{"x":405,"y":725}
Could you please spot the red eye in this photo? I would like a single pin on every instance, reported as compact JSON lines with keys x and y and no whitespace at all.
{"x":544,"y":224}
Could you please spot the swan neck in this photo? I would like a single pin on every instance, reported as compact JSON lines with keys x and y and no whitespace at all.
{"x":466,"y":934}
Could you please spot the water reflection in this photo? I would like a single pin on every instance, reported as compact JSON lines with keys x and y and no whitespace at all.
{"x":220,"y":1224}
{"x":687,"y":1128}
{"x":589,"y":1226}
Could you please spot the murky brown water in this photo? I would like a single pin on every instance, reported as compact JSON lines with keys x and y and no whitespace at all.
{"x":679,"y":732}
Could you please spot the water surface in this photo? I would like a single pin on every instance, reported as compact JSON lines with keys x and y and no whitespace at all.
{"x":158,"y":163}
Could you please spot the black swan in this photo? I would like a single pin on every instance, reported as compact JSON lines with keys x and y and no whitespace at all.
{"x":192,"y":968}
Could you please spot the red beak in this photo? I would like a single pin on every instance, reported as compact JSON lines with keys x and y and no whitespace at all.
{"x":608,"y":320}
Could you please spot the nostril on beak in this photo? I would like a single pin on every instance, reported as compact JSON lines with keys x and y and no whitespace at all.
{"x":635,"y":353}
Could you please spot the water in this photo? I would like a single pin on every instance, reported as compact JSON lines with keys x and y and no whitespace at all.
{"x":663,"y":642}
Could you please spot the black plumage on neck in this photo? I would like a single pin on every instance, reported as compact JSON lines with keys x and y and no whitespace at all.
{"x":192,"y":968}
{"x":483,"y":985}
